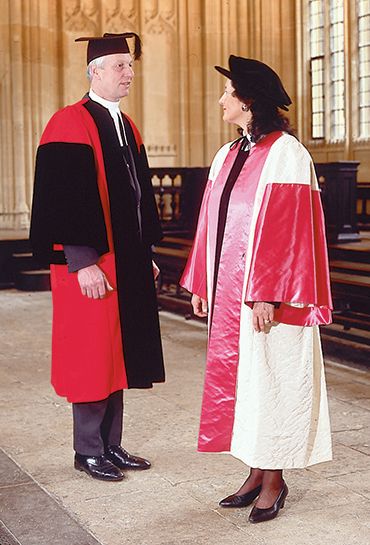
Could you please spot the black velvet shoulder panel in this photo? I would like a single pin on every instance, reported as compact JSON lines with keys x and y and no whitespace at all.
{"x":66,"y":203}
{"x":137,"y":299}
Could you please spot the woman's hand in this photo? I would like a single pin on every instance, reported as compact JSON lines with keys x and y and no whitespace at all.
{"x":263,"y":313}
{"x":200,"y":306}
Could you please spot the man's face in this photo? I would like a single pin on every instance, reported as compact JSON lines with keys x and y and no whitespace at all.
{"x":112,"y":81}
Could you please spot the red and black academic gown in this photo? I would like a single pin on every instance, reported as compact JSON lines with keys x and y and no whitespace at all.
{"x":83,"y":196}
{"x":261,"y":238}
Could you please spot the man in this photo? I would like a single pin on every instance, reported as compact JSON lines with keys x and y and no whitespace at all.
{"x":94,"y":219}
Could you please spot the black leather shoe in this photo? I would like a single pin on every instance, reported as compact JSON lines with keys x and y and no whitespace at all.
{"x":98,"y":467}
{"x":262,"y":515}
{"x":241,"y":500}
{"x":122,"y":459}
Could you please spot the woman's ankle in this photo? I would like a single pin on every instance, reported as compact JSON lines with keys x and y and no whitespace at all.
{"x":272,"y":479}
{"x":253,"y":480}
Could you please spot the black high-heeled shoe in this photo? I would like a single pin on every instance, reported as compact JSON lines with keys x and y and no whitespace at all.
{"x":241,"y":500}
{"x":261,"y":515}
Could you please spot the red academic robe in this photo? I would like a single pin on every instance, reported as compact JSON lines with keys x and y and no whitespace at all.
{"x":83,"y":196}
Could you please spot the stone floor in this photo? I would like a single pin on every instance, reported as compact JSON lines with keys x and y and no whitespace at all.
{"x":44,"y":501}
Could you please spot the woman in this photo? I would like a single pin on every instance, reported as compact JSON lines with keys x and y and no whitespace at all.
{"x":259,"y":270}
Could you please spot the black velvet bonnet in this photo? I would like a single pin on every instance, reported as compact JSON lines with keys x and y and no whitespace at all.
{"x":255,"y":79}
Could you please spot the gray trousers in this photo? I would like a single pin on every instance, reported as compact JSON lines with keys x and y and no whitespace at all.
{"x":97,"y":424}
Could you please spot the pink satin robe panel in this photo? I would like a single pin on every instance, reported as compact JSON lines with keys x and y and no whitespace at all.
{"x":217,"y":417}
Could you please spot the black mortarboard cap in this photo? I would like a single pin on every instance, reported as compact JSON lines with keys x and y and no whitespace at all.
{"x":109,"y":44}
{"x":255,"y":79}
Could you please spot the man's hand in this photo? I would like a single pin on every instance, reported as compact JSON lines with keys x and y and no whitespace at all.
{"x":263,"y":313}
{"x":156,"y":270}
{"x":200,"y":306}
{"x":93,"y":282}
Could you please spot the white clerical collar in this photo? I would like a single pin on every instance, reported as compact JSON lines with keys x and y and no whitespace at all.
{"x":113,"y":107}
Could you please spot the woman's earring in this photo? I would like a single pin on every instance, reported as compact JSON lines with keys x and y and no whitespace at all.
{"x":245,"y":108}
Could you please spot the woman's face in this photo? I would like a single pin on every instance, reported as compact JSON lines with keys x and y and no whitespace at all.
{"x":232,"y":107}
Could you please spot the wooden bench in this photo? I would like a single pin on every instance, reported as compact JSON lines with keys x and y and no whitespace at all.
{"x":171,"y":255}
{"x":353,"y":252}
{"x":351,"y":320}
{"x":355,"y":280}
{"x":351,"y":291}
{"x":350,"y":266}
{"x":350,"y":283}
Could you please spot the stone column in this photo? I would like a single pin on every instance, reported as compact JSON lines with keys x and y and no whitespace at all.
{"x":160,"y":68}
{"x":26,"y":53}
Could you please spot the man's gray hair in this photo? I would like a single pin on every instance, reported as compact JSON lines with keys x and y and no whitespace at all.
{"x":98,"y":63}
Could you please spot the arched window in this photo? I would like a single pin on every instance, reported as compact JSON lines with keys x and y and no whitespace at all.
{"x":317,"y":62}
{"x":363,"y":25}
{"x":339,"y":30}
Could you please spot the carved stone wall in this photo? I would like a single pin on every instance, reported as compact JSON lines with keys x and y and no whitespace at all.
{"x":174,"y":98}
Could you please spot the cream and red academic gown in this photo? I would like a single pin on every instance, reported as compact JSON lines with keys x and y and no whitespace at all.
{"x":265,"y":396}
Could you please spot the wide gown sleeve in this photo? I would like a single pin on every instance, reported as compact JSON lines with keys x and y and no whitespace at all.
{"x":289,"y":258}
{"x":194,"y":277}
{"x":66,"y":205}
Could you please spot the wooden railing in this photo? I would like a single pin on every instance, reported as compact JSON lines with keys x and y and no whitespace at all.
{"x":178,"y":193}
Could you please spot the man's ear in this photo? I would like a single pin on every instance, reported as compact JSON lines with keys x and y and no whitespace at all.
{"x":96,"y":72}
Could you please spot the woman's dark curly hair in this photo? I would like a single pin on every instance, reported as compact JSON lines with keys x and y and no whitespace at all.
{"x":266,"y":116}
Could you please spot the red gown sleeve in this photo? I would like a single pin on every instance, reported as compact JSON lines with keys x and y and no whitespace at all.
{"x":289,"y":258}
